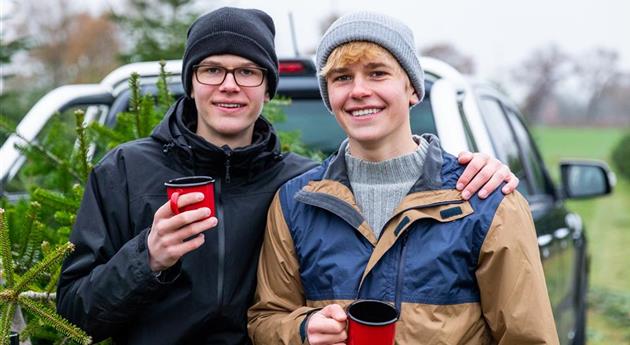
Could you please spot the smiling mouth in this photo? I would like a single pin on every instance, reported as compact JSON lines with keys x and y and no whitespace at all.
{"x":364,"y":112}
{"x":229,"y":105}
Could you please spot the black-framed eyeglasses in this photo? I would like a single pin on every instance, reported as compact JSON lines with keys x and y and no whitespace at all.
{"x":243,"y":76}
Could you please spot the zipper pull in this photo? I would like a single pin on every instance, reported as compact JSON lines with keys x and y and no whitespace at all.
{"x":167,"y":147}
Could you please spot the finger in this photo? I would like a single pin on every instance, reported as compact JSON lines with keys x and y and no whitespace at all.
{"x":319,"y":338}
{"x":497,"y":178}
{"x":179,"y":250}
{"x":478,"y":181}
{"x":511,"y":185}
{"x":175,"y":223}
{"x":189,"y":199}
{"x":185,"y":199}
{"x":337,"y":313}
{"x":189,"y":230}
{"x":464,"y":157}
{"x":324,"y":325}
{"x":477,"y":163}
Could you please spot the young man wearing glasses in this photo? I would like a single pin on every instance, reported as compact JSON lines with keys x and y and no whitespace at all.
{"x":141,"y":274}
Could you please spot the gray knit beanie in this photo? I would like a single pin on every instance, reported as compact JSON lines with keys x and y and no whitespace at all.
{"x":386,"y":31}
{"x":248,"y":33}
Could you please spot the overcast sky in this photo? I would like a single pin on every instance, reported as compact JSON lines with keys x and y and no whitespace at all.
{"x":498,"y":34}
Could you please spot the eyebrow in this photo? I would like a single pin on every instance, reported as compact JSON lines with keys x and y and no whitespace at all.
{"x":216,"y":63}
{"x":374,"y":65}
{"x":338,"y":70}
{"x":371,"y":65}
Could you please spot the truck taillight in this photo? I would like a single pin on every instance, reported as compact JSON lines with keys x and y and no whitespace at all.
{"x":291,"y":68}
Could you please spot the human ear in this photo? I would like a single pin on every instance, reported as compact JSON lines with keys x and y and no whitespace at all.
{"x":413,"y":97}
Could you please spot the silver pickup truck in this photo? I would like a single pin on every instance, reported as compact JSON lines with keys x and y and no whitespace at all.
{"x":463,"y":113}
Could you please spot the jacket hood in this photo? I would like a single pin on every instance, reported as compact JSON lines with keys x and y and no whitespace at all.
{"x":179,"y":141}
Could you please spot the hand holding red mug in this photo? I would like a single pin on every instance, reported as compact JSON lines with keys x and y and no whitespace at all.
{"x":173,"y":235}
{"x":327,"y":326}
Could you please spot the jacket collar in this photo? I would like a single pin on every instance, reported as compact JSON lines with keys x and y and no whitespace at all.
{"x":430,"y":179}
{"x":202,"y":156}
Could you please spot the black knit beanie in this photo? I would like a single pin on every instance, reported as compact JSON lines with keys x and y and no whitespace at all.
{"x":248,"y":33}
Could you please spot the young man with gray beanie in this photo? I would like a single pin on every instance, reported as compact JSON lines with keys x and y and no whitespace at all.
{"x":143,"y":275}
{"x":383,"y":220}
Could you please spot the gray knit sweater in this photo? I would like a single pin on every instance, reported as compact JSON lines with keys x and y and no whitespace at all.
{"x":380,"y":186}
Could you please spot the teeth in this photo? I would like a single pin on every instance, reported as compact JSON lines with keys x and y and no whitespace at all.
{"x":229,"y":105}
{"x":364,"y":112}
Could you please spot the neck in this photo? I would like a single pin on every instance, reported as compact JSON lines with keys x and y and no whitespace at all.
{"x":236,"y":141}
{"x":378,"y":151}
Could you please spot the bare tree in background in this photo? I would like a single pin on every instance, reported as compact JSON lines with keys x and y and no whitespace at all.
{"x":540,"y":74}
{"x":451,"y":55}
{"x":598,"y":72}
{"x":67,"y":47}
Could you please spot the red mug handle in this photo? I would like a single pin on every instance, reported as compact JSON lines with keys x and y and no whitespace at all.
{"x":173,"y":201}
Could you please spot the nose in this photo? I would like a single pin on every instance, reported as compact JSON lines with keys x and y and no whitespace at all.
{"x":229,"y":83}
{"x":360,"y":88}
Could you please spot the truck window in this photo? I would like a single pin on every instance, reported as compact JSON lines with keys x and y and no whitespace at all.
{"x":319,"y":129}
{"x":530,"y":154}
{"x":503,"y":140}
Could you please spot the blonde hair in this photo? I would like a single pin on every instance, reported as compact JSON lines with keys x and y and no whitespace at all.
{"x":353,"y":52}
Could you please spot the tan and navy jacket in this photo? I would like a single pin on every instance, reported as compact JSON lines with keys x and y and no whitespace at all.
{"x":460,"y":272}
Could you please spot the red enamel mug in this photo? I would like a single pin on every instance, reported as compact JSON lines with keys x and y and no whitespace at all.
{"x":371,"y":322}
{"x":184,"y":185}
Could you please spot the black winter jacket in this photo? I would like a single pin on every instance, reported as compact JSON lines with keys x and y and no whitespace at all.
{"x":106,"y":286}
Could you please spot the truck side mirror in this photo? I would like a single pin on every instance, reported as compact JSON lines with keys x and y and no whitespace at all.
{"x":586,"y":179}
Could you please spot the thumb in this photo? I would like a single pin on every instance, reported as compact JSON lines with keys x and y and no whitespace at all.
{"x":334,"y":311}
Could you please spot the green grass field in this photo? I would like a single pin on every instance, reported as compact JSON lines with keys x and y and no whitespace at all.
{"x":607,"y":222}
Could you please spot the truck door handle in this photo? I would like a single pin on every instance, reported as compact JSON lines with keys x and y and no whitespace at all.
{"x":561,"y":233}
{"x":543,"y":243}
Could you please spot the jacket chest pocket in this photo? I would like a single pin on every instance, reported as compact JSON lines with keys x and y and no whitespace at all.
{"x":438,"y":258}
{"x":427,"y":255}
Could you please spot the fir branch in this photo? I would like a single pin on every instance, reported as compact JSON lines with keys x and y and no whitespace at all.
{"x":5,"y":251}
{"x":60,"y":163}
{"x":273,"y":110}
{"x":46,"y":249}
{"x":55,"y":200}
{"x":34,"y":208}
{"x":49,"y":260}
{"x":134,"y":101}
{"x":34,"y":240}
{"x":52,"y":284}
{"x":77,"y":193}
{"x":56,"y":321}
{"x":84,"y":164}
{"x":107,"y":134}
{"x":65,"y":217}
{"x":164,"y":96}
{"x":6,"y":127}
{"x":6,"y":311}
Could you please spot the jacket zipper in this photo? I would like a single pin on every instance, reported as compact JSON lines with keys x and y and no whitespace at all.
{"x":220,"y":243}
{"x":227,"y":166}
{"x":403,"y":245}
